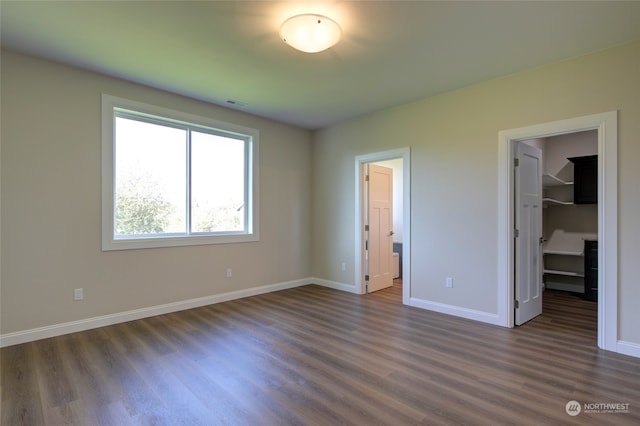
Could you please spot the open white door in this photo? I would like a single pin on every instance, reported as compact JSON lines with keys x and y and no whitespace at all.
{"x":380,"y":221}
{"x":528,"y":233}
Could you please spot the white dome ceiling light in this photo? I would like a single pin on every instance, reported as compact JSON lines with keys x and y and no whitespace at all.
{"x":310,"y":33}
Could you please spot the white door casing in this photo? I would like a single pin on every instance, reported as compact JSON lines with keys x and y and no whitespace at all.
{"x":359,"y":190}
{"x":380,"y":222}
{"x":607,"y":126}
{"x":528,"y":232}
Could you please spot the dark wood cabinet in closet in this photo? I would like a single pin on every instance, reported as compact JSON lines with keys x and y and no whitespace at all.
{"x":585,"y":179}
{"x":591,"y":270}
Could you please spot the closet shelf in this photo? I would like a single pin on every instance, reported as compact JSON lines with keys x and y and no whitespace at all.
{"x":567,"y":243}
{"x":565,"y":273}
{"x":551,"y":180}
{"x":552,"y":201}
{"x":564,"y":252}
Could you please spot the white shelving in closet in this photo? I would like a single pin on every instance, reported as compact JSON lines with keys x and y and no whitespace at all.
{"x":548,"y":181}
{"x":566,"y":244}
{"x":551,"y":180}
{"x":562,"y":244}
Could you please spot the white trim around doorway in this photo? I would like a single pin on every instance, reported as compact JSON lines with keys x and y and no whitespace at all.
{"x":607,"y":126}
{"x":360,"y":160}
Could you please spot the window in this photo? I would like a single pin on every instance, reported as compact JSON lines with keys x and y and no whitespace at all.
{"x":174,"y":179}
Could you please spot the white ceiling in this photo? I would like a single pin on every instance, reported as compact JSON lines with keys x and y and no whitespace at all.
{"x":392,"y":52}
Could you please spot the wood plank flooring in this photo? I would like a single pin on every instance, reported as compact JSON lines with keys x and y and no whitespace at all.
{"x":316,"y":356}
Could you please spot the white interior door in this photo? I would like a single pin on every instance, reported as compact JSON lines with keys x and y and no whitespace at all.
{"x":528,"y":221}
{"x":380,"y":221}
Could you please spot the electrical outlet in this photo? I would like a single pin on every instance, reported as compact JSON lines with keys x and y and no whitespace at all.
{"x":78,"y":294}
{"x":343,"y":266}
{"x":229,"y":272}
{"x":449,"y":282}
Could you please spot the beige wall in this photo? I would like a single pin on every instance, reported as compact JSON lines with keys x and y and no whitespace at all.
{"x":50,"y":194}
{"x":454,"y":171}
{"x":51,"y":205}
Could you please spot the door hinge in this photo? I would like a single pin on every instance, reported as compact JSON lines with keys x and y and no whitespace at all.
{"x":516,"y":233}
{"x":517,"y":304}
{"x":516,"y":162}
{"x":366,"y":178}
{"x":366,"y":227}
{"x":366,"y":277}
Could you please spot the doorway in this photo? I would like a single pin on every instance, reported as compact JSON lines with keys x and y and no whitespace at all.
{"x":557,"y":224}
{"x":606,"y":126}
{"x":401,"y":156}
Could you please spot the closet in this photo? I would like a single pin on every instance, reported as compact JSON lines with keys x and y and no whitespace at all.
{"x":570,"y":213}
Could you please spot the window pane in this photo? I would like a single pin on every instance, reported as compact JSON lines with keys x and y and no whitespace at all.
{"x":150,"y":182}
{"x":217,"y":183}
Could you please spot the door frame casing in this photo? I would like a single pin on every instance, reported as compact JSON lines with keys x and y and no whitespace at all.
{"x":360,"y":160}
{"x":607,"y":126}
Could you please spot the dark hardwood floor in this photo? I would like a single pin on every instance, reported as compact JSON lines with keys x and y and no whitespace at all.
{"x":316,"y":356}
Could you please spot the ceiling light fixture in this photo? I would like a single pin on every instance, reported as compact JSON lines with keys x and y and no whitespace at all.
{"x":310,"y":33}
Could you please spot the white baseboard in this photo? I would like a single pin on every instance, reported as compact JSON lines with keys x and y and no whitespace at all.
{"x":351,"y":288}
{"x":423,"y":304}
{"x":457,"y":311}
{"x":10,"y":339}
{"x":25,"y":336}
{"x":628,"y":348}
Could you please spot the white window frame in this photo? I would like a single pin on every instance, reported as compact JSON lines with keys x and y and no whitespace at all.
{"x":109,"y":105}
